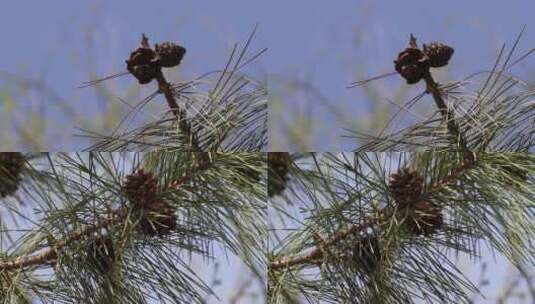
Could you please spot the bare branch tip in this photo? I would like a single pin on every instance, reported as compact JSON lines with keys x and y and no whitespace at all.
{"x":144,"y":41}
{"x":412,"y":41}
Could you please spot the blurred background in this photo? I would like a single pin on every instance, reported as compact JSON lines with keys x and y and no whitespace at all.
{"x":51,"y":48}
{"x":319,"y":47}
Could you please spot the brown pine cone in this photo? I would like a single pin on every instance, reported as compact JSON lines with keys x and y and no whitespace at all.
{"x":100,"y":253}
{"x":169,"y":54}
{"x":424,"y":218}
{"x":143,"y":64}
{"x":439,"y":54}
{"x":412,"y":64}
{"x":405,"y":186}
{"x":158,"y":219}
{"x":11,"y":165}
{"x":141,"y":188}
{"x":278,"y":167}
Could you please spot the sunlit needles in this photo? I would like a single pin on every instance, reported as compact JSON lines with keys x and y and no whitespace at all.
{"x":97,"y":81}
{"x":365,"y":81}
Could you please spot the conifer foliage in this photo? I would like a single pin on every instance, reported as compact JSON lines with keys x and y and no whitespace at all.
{"x":490,"y":110}
{"x":122,"y":227}
{"x":387,"y":227}
{"x":220,"y":110}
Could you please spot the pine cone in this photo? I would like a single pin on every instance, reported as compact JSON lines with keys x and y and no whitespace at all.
{"x":170,"y":54}
{"x":424,"y":218}
{"x":11,"y":165}
{"x":100,"y":253}
{"x":439,"y":54}
{"x":412,"y":64}
{"x":278,"y":168}
{"x":405,"y":186}
{"x":158,"y":219}
{"x":141,"y":188}
{"x":367,"y":253}
{"x":143,"y":64}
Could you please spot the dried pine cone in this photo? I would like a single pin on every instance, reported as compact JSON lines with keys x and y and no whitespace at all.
{"x":424,"y":218}
{"x":169,"y":54}
{"x":405,"y":186}
{"x":100,"y":253}
{"x":278,"y":168}
{"x":141,"y":188}
{"x":143,"y":64}
{"x":420,"y":217}
{"x":412,"y":64}
{"x":367,"y":253}
{"x":439,"y":54}
{"x":158,"y":219}
{"x":11,"y":165}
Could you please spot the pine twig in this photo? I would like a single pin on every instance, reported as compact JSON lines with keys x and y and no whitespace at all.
{"x":117,"y":216}
{"x":383,"y":214}
{"x":166,"y":88}
{"x":447,"y":114}
{"x":309,"y":257}
{"x":50,"y":254}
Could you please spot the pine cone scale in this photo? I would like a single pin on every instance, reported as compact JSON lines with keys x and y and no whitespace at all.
{"x":157,"y":217}
{"x":419,"y":216}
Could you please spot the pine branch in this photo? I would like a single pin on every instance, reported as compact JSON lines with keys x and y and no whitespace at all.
{"x":447,"y":114}
{"x":498,"y":115}
{"x":484,"y":199}
{"x":166,"y":88}
{"x":100,"y":229}
{"x":228,"y":113}
{"x":50,"y":254}
{"x":382,"y":216}
{"x":312,"y":256}
{"x":117,"y":216}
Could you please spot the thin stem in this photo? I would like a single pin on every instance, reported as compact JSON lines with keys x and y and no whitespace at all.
{"x":447,"y":114}
{"x":166,"y":88}
{"x":185,"y":127}
{"x":308,"y":258}
{"x":50,"y":254}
